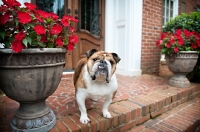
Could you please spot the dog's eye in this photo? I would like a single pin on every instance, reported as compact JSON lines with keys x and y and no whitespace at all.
{"x":95,"y":59}
{"x":111,"y":62}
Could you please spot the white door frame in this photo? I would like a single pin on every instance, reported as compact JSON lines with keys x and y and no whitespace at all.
{"x":123,"y":34}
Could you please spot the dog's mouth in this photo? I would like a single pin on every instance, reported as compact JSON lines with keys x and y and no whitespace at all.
{"x":101,"y":73}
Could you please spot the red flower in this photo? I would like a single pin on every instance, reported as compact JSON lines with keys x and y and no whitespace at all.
{"x":39,"y":29}
{"x":71,"y":18}
{"x":163,"y":35}
{"x":178,"y":32}
{"x":43,"y":14}
{"x":56,"y":29}
{"x":65,"y":21}
{"x":168,"y":45}
{"x":54,"y":16}
{"x":20,"y":36}
{"x":187,"y":33}
{"x":17,"y":46}
{"x":43,"y":39}
{"x":24,"y":17}
{"x":176,"y":49}
{"x":180,"y":40}
{"x":70,"y":46}
{"x":11,"y":3}
{"x":4,"y":18}
{"x":72,"y":29}
{"x":73,"y":39}
{"x":59,"y":42}
{"x":3,"y":8}
{"x":30,"y":6}
{"x":38,"y":18}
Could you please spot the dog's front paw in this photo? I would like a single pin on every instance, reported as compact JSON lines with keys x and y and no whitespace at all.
{"x":106,"y":114}
{"x":84,"y":120}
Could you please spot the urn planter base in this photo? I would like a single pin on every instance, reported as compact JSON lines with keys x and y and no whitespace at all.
{"x":180,"y":81}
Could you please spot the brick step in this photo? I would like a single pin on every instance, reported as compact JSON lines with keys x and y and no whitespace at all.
{"x":183,"y":118}
{"x":134,"y":113}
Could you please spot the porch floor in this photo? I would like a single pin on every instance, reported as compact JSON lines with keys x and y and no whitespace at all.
{"x":63,"y":102}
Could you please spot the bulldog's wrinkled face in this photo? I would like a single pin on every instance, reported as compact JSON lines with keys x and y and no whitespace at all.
{"x":101,"y":65}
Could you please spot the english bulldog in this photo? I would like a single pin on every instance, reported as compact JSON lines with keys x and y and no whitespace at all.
{"x":95,"y":78}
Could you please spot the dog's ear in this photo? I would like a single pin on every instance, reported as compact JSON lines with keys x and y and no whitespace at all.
{"x":90,"y":52}
{"x":116,"y":57}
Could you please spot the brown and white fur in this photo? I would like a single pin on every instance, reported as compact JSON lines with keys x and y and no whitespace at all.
{"x":95,"y":78}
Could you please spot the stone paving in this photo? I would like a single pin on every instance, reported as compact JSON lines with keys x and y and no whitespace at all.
{"x":63,"y":102}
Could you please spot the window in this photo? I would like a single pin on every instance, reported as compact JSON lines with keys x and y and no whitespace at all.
{"x":169,"y":10}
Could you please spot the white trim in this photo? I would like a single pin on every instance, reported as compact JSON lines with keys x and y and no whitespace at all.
{"x":131,"y":24}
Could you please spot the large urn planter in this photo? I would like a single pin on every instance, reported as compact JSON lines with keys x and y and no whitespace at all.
{"x":30,"y":77}
{"x":181,"y":64}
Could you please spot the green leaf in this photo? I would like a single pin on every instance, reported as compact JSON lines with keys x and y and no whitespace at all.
{"x":29,"y":40}
{"x":7,"y":44}
{"x":25,"y":41}
{"x":41,"y":44}
{"x":2,"y":34}
{"x":50,"y":45}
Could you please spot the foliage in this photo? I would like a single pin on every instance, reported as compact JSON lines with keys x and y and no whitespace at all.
{"x":27,"y":27}
{"x":191,"y":22}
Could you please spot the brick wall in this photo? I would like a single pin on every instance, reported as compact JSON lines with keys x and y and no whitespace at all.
{"x":151,"y":28}
{"x":189,"y":5}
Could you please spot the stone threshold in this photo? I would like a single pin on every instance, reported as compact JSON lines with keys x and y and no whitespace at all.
{"x":134,"y":112}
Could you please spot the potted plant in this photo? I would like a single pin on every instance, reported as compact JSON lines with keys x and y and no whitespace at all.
{"x":31,"y":65}
{"x":180,"y":42}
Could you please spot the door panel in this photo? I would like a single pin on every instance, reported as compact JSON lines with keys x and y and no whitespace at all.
{"x":91,"y":16}
{"x":90,"y":28}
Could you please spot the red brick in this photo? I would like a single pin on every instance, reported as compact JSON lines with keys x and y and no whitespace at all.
{"x":54,"y":129}
{"x":108,"y":123}
{"x":159,"y":100}
{"x":156,"y":113}
{"x":161,"y":96}
{"x":143,"y":103}
{"x":60,"y":126}
{"x":127,"y":126}
{"x":137,"y":129}
{"x":169,"y":126}
{"x":101,"y":121}
{"x":119,"y":113}
{"x":139,"y":108}
{"x":175,"y":124}
{"x":70,"y":124}
{"x":143,"y":119}
{"x":84,"y":127}
{"x":125,"y":110}
{"x":164,"y":129}
{"x":151,"y":122}
{"x":131,"y":107}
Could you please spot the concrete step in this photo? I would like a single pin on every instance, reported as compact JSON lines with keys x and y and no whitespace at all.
{"x":166,"y":109}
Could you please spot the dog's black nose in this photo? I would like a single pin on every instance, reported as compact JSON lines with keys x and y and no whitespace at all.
{"x":103,"y":62}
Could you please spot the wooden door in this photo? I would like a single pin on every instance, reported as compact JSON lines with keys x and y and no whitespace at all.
{"x":90,"y":28}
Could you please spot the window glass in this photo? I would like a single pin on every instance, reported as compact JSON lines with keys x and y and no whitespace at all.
{"x":56,"y":6}
{"x":168,"y":10}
